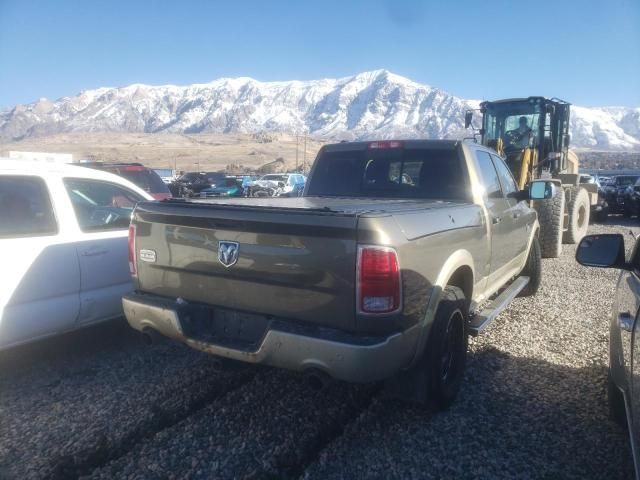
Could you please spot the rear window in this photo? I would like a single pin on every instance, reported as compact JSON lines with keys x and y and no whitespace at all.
{"x":397,"y":173}
{"x":626,"y":180}
{"x":25,"y":207}
{"x":215,"y":178}
{"x":146,"y":179}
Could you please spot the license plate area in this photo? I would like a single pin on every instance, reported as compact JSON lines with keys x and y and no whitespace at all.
{"x":221,"y":326}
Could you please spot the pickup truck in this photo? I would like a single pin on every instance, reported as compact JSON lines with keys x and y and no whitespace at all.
{"x":379,"y":270}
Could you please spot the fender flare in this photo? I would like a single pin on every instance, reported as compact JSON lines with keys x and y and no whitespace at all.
{"x":459,"y":258}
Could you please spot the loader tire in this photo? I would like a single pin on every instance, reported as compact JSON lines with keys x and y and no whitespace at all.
{"x":551,"y":217}
{"x":578,"y":208}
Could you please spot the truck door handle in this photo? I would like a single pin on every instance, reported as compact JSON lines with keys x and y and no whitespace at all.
{"x":496,"y":220}
{"x":625,"y":321}
{"x":94,"y":253}
{"x":516,"y":215}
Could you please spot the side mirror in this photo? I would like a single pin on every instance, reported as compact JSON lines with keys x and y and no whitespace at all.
{"x":605,"y":251}
{"x":567,"y":140}
{"x":541,"y":190}
{"x":468,"y":116}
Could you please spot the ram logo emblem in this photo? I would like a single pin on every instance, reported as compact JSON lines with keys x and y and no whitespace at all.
{"x":228,"y":252}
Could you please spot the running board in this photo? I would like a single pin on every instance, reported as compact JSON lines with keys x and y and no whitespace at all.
{"x":481,"y":320}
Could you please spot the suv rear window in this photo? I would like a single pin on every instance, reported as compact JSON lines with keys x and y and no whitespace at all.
{"x":397,"y":173}
{"x":25,"y":207}
{"x":146,"y":179}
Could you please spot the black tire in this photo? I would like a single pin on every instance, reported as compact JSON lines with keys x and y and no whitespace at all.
{"x":617,"y":411}
{"x":532,"y":269}
{"x":445,"y":354}
{"x":579,"y":210}
{"x":626,"y":210}
{"x":602,"y":215}
{"x":551,"y":218}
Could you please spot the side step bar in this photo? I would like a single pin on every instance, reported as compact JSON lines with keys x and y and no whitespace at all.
{"x":481,"y":320}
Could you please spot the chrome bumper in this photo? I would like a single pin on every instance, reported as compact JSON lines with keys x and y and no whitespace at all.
{"x":352,"y":362}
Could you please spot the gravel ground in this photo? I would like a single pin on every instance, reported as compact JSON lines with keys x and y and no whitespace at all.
{"x":72,"y":408}
{"x":97,"y":404}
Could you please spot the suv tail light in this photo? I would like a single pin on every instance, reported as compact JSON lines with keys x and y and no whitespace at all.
{"x":378,"y":280}
{"x":133,"y":264}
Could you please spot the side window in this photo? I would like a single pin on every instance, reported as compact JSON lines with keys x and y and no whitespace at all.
{"x":506,"y":179}
{"x":100,"y":205}
{"x":488,"y":175}
{"x":25,"y":207}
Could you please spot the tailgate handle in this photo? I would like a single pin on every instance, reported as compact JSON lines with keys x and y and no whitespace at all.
{"x":496,"y":220}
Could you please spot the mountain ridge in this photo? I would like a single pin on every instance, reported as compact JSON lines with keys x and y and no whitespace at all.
{"x":373,"y":104}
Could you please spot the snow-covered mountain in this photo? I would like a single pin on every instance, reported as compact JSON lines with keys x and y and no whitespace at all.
{"x":372,"y":104}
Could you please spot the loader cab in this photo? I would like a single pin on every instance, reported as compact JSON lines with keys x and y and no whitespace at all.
{"x":541,"y":124}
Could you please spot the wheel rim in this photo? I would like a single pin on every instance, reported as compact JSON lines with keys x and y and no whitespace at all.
{"x":453,"y":339}
{"x":582,"y":214}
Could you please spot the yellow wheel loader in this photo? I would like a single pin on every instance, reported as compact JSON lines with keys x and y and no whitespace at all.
{"x":532,"y":134}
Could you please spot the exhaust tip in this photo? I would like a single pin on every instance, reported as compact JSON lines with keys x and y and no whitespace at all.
{"x":150,"y":336}
{"x":317,"y":379}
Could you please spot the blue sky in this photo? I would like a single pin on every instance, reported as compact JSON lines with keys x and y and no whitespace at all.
{"x":587,"y":52}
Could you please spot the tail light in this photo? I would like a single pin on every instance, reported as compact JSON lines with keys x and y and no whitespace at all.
{"x":378,"y":284}
{"x":385,"y":145}
{"x":133,"y":264}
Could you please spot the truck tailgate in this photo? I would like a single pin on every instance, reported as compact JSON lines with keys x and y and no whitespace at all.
{"x":292,"y":263}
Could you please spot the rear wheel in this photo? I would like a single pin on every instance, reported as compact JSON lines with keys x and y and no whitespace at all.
{"x":602,"y":214}
{"x":578,"y":208}
{"x":551,"y":217}
{"x":445,"y":354}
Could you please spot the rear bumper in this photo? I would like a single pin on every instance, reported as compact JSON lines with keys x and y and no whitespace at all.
{"x":342,"y":356}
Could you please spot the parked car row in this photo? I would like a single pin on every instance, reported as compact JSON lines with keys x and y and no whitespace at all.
{"x":277,"y":185}
{"x":615,"y":191}
{"x":217,"y":184}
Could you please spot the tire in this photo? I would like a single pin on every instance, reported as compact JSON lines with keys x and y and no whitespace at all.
{"x":532,"y":269}
{"x":602,"y":215}
{"x":617,"y":411}
{"x":551,"y":217}
{"x":579,"y":209}
{"x":445,"y":354}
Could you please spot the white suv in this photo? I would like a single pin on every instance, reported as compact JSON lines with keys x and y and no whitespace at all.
{"x":63,"y":248}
